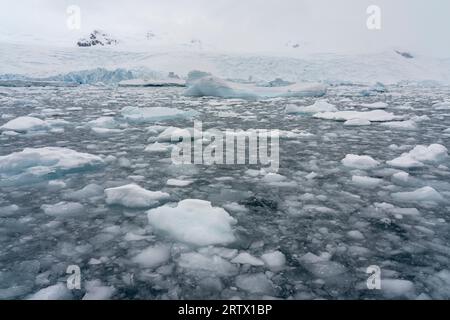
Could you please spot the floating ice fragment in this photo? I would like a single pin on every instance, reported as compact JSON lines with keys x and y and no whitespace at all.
{"x":373,"y":116}
{"x":56,"y":292}
{"x":274,"y":260}
{"x":153,"y":256}
{"x":423,"y":194}
{"x":194,"y":221}
{"x":247,"y":258}
{"x":33,"y":164}
{"x":134,"y":196}
{"x":318,"y":106}
{"x":96,"y":291}
{"x":153,"y":114}
{"x":359,"y":162}
{"x":63,"y":209}
{"x":419,"y":155}
{"x":214,"y":264}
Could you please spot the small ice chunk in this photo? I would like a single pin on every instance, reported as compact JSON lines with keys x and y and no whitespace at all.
{"x":153,"y":256}
{"x":247,"y":258}
{"x":257,"y":283}
{"x":355,"y":234}
{"x":359,"y":162}
{"x":215,"y":264}
{"x":400,"y":176}
{"x":103,"y":122}
{"x":366,"y":182}
{"x":89,"y":191}
{"x":154,"y":114}
{"x":318,"y":106}
{"x":372,"y":116}
{"x":96,"y":291}
{"x":194,"y":221}
{"x":274,"y":260}
{"x":178,"y":183}
{"x":55,"y":292}
{"x":63,"y":209}
{"x":157,"y":147}
{"x":401,"y":125}
{"x":423,"y":194}
{"x":133,"y":196}
{"x":396,"y":288}
{"x":375,"y":105}
{"x":273,"y":177}
{"x":321,"y":267}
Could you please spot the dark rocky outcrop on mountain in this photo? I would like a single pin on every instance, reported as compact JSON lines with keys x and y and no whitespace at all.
{"x":97,"y":38}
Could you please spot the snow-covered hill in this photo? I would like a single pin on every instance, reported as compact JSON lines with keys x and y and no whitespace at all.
{"x":387,"y":67}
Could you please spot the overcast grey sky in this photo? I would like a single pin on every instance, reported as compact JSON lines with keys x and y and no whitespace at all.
{"x":250,"y":25}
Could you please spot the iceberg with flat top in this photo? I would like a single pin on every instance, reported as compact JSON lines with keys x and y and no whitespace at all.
{"x":216,"y":87}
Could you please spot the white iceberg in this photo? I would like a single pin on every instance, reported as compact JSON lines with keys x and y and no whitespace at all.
{"x":420,"y":155}
{"x":216,"y":87}
{"x":33,"y":164}
{"x":194,"y":221}
{"x":133,"y":196}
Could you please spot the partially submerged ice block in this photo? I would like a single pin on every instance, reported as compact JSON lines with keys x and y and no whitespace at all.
{"x":216,"y":87}
{"x":34,"y":164}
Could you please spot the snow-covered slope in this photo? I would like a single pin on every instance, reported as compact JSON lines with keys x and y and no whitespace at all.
{"x":386,"y":67}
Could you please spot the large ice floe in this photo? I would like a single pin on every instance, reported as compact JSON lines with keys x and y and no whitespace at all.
{"x":134,"y":196}
{"x":195,"y":222}
{"x":154,"y":114}
{"x":216,"y":87}
{"x":420,"y":155}
{"x":28,"y":124}
{"x":33,"y":164}
{"x":318,"y":106}
{"x":372,"y":116}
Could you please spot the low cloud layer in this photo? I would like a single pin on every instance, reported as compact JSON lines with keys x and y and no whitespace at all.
{"x":251,"y":25}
